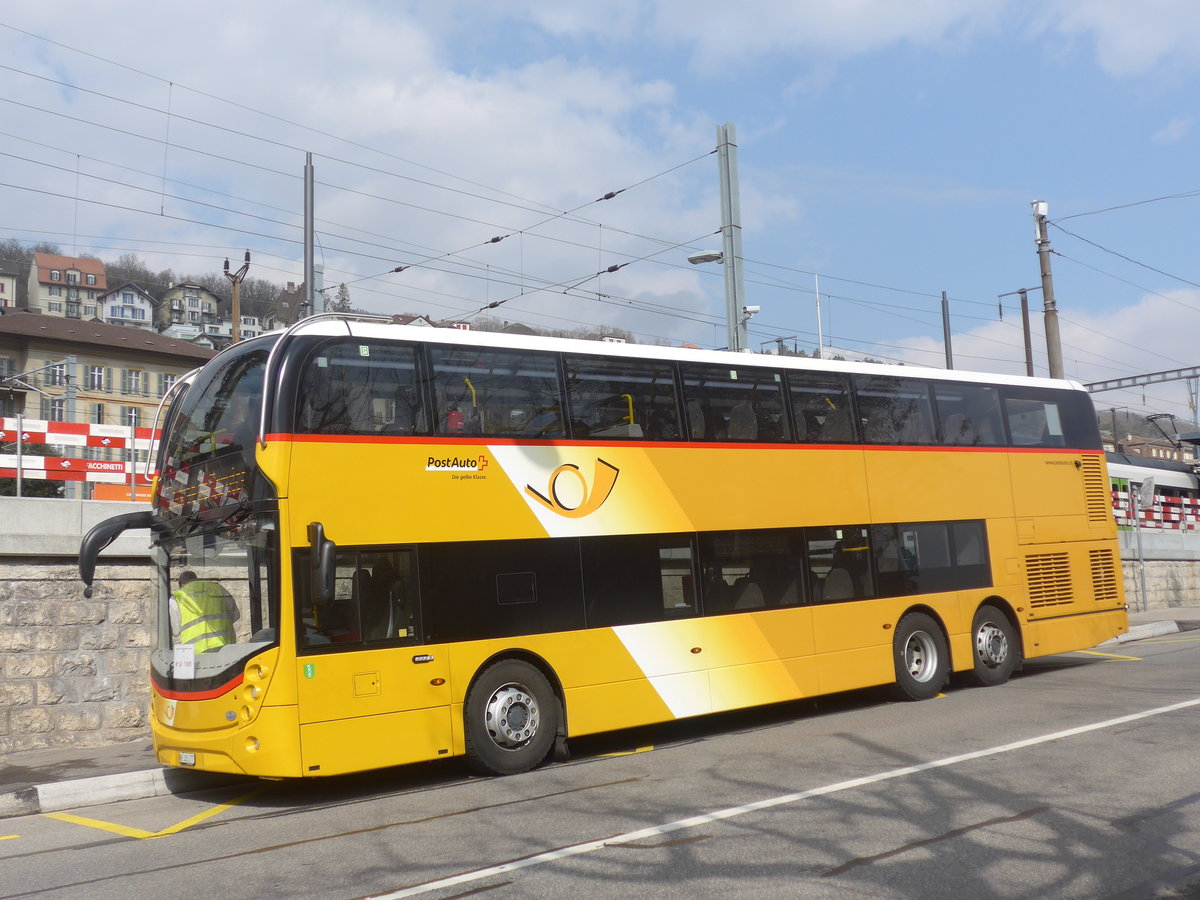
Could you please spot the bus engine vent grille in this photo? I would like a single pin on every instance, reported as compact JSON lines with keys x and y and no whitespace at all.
{"x":1104,"y":575}
{"x":1049,"y":579}
{"x":1096,"y":492}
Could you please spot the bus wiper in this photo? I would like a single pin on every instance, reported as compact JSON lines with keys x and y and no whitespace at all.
{"x":204,"y":524}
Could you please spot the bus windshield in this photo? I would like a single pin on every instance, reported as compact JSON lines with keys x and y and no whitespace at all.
{"x":218,"y":599}
{"x":208,"y":448}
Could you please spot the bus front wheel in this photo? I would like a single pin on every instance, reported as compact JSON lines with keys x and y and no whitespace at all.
{"x":921,"y":656}
{"x":995,"y":646}
{"x":510,"y":718}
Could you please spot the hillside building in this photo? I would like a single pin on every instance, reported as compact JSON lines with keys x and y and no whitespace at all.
{"x":65,"y":286}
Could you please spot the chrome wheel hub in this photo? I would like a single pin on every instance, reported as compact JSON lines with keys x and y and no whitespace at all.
{"x":991,"y":645}
{"x":512,"y":716}
{"x":920,"y":656}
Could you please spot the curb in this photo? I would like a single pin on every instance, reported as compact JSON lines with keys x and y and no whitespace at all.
{"x":1147,"y":630}
{"x":32,"y":800}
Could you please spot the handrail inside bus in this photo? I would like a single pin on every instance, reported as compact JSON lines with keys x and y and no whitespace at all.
{"x":629,"y":399}
{"x":167,"y":395}
{"x":268,"y":381}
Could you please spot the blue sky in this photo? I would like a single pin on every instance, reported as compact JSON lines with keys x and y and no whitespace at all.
{"x":891,"y":148}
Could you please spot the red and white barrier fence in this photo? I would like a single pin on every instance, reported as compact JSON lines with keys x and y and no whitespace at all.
{"x":74,"y":434}
{"x":1169,"y":513}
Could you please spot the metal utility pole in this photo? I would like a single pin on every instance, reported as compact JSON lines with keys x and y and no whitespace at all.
{"x":731,"y":231}
{"x":1024,"y":295}
{"x":820,"y":335}
{"x":235,"y":326}
{"x":1053,"y":344}
{"x":309,"y":287}
{"x":946,"y":331}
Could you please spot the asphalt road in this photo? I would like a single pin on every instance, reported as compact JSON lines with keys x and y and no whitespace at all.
{"x":1080,"y":778}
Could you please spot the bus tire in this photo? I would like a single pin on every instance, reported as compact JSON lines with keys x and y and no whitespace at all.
{"x":921,"y":656}
{"x":994,"y":646}
{"x":510,"y":718}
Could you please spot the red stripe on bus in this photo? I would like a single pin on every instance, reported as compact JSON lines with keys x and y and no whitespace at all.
{"x":199,"y":695}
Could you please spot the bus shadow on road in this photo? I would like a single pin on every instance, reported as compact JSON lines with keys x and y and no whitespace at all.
{"x":340,"y":790}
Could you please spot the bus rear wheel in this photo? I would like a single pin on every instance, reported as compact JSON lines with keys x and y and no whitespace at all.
{"x":510,"y":718}
{"x":994,"y":643}
{"x":921,"y":656}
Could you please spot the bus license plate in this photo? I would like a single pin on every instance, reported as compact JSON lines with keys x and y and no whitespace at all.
{"x":187,"y":759}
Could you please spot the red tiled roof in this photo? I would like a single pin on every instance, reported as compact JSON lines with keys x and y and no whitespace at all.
{"x":47,"y":261}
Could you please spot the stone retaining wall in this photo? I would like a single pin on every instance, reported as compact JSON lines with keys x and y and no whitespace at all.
{"x":73,"y":671}
{"x":1170,"y":583}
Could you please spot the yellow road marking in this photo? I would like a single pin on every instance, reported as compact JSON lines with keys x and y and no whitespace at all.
{"x":1109,"y":655}
{"x":140,"y":834}
{"x":9,"y":837}
{"x":1169,"y":640}
{"x":645,"y":749}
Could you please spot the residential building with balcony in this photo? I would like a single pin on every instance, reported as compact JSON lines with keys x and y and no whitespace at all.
{"x":188,"y":304}
{"x":65,"y":285}
{"x":127,"y":306}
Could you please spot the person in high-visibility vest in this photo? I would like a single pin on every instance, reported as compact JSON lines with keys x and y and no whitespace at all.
{"x":202,"y":613}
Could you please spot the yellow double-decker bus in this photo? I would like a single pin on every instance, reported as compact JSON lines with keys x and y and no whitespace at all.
{"x":379,"y":544}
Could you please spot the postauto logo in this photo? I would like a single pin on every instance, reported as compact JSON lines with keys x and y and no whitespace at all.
{"x":575,"y":498}
{"x":457,"y":463}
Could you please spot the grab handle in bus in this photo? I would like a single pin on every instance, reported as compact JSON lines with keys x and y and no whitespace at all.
{"x":628,"y":398}
{"x":324,"y":563}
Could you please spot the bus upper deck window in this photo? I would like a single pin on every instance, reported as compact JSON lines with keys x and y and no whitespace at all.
{"x":350,"y":386}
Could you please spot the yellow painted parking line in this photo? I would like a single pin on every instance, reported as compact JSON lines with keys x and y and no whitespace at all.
{"x":1177,"y":640}
{"x":141,"y":834}
{"x":645,"y":749}
{"x":1109,"y":655}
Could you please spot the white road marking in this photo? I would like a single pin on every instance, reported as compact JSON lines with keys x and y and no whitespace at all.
{"x":734,"y":811}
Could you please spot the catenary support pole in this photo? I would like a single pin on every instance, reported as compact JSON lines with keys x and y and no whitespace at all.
{"x":1053,"y":343}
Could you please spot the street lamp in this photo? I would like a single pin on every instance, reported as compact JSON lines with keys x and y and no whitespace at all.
{"x":697,"y":259}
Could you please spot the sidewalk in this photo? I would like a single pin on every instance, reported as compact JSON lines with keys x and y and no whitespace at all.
{"x":37,"y":781}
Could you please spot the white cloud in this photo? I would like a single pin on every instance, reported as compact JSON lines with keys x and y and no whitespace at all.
{"x":720,"y":32}
{"x":1132,"y":38}
{"x":1173,"y":131}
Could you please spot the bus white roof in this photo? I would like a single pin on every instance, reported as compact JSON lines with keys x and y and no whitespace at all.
{"x":386,"y":330}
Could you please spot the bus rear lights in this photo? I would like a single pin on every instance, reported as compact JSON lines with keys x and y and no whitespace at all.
{"x":696,"y":650}
{"x":258,"y":673}
{"x":247,"y":714}
{"x":251,"y":692}
{"x":252,"y":745}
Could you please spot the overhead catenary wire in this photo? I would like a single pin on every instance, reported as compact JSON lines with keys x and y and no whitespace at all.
{"x":1128,"y":259}
{"x":447,"y":254}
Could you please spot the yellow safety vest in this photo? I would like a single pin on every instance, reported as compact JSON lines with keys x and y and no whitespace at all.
{"x":204,"y":620}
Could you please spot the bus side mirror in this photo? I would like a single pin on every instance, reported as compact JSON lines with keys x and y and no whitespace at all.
{"x":324,"y":563}
{"x":100,"y":536}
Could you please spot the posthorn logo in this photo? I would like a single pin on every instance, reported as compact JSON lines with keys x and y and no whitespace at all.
{"x":575,"y":498}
